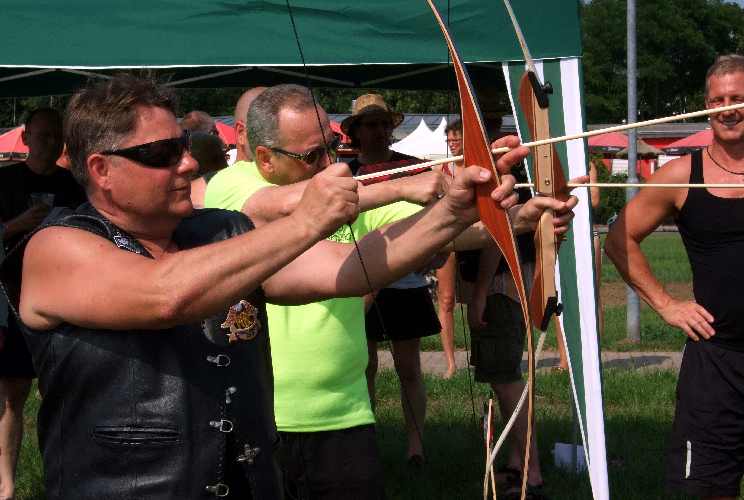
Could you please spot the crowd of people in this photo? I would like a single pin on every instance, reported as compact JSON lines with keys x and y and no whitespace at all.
{"x":147,"y":321}
{"x":231,"y":351}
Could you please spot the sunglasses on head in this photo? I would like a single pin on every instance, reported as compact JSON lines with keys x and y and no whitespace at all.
{"x":313,"y":156}
{"x":157,"y":154}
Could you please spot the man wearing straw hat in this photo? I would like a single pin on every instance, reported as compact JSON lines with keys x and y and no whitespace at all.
{"x":705,"y":456}
{"x":402,"y":313}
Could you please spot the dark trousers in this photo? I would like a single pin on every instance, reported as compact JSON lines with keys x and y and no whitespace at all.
{"x":332,"y":465}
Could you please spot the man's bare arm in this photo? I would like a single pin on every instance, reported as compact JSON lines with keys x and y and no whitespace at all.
{"x":330,"y":269}
{"x":70,"y":275}
{"x":272,"y":202}
{"x":638,"y":219}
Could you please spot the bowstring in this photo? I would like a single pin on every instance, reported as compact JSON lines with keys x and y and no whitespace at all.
{"x":466,"y":334}
{"x":357,"y":249}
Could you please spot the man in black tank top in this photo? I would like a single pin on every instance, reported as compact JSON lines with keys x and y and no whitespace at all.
{"x":146,"y":319}
{"x":706,"y":450}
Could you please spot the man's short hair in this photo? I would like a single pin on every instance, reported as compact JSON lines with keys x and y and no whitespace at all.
{"x":724,"y":65}
{"x":48,"y":112}
{"x":198,"y":122}
{"x":455,"y":126}
{"x":102,"y":115}
{"x":263,"y":113}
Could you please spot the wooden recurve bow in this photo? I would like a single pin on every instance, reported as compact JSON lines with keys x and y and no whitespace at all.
{"x":477,"y":151}
{"x":548,"y":179}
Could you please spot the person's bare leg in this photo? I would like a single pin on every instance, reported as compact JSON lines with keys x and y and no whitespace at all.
{"x":598,"y":279}
{"x":446,"y":311}
{"x":13,"y":393}
{"x":412,"y":392}
{"x":371,"y":371}
{"x":508,"y":396}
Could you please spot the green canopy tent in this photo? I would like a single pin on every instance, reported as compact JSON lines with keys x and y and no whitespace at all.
{"x":52,"y":47}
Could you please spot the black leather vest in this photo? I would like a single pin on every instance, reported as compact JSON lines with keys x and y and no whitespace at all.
{"x":169,"y":414}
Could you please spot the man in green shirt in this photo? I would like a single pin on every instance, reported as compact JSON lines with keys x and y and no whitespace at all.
{"x":319,"y":351}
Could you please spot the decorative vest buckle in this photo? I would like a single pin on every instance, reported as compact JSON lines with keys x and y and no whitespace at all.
{"x":249,"y":454}
{"x":222,"y":424}
{"x":218,"y":490}
{"x":221,"y":360}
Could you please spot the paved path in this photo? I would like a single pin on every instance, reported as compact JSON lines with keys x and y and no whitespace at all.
{"x":433,"y":362}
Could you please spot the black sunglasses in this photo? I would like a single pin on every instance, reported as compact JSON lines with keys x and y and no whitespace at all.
{"x":314,"y":155}
{"x":157,"y":154}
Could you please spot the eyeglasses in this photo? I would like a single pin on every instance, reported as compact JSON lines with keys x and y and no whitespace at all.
{"x":157,"y":154}
{"x":313,"y":156}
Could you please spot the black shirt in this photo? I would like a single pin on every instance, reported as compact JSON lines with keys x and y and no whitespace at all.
{"x":712,"y":229}
{"x":18,"y":181}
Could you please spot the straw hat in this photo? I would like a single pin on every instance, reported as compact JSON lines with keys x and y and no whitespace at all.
{"x":369,"y":104}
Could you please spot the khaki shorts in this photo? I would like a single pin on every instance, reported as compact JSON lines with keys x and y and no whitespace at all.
{"x":497,"y":348}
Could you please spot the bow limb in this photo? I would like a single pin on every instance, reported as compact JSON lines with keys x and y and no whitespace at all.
{"x":477,"y":151}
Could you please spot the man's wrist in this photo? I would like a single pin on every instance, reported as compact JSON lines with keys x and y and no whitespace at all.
{"x":519,"y":224}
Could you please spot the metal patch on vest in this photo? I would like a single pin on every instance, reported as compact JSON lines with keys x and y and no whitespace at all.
{"x":124,"y":242}
{"x":242,"y":321}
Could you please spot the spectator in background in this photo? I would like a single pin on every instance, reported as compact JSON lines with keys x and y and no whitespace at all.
{"x":28,"y":191}
{"x":208,"y":150}
{"x":243,"y":152}
{"x":403,"y":312}
{"x":446,"y":275}
{"x":199,"y":121}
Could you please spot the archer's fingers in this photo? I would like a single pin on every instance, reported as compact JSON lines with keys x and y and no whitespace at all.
{"x":506,"y":161}
{"x":505,"y":191}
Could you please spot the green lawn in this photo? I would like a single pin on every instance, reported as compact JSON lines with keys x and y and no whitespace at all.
{"x":638,"y":417}
{"x":669,"y":262}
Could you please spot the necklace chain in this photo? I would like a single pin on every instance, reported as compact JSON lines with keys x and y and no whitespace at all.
{"x":707,"y":150}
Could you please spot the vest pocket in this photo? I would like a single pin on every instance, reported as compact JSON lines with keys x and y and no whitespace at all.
{"x":136,"y":436}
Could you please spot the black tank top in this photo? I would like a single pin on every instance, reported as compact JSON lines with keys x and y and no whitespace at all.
{"x":712,"y":229}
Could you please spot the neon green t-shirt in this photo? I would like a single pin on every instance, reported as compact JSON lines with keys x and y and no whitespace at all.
{"x":318,"y":350}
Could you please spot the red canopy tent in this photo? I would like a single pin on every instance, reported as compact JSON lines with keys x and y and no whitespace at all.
{"x":11,"y":145}
{"x":227,"y":133}
{"x":697,"y":140}
{"x":609,"y":140}
{"x":336,"y":127}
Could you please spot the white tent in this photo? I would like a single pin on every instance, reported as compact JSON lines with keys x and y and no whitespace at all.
{"x":423,"y":143}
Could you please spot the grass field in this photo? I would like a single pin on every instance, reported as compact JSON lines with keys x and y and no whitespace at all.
{"x":638,"y":417}
{"x":669,"y":263}
{"x":638,"y":410}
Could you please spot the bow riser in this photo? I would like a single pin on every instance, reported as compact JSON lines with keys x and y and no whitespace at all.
{"x":549,"y":181}
{"x":477,"y":151}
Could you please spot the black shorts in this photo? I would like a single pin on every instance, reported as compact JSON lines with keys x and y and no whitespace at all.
{"x":15,"y":358}
{"x":705,"y":456}
{"x":497,"y":347}
{"x":406,"y":314}
{"x":332,"y":465}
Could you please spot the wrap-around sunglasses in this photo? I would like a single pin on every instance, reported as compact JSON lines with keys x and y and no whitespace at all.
{"x":157,"y":154}
{"x":313,"y":156}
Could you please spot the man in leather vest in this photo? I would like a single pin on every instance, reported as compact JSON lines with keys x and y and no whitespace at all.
{"x":146,"y":320}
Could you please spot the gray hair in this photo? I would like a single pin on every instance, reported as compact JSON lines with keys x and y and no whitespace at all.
{"x":263,"y":113}
{"x":724,"y":65}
